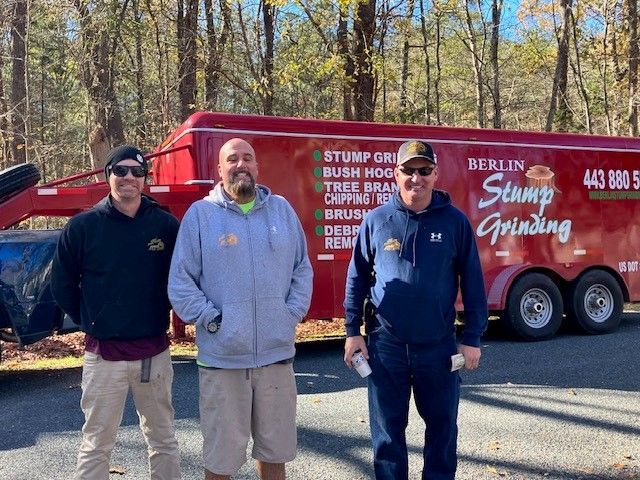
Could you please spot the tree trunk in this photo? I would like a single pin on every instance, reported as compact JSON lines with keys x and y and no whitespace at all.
{"x":268,"y":13}
{"x":216,"y":45}
{"x":187,"y":30}
{"x":349,"y":68}
{"x":559,"y":113}
{"x":632,"y":19}
{"x":364,"y":29}
{"x":427,"y":64}
{"x":99,"y":147}
{"x":404,"y":114}
{"x":577,"y":72}
{"x":140,"y":120}
{"x":605,"y":62}
{"x":100,"y":31}
{"x":19,"y":82}
{"x":162,"y":57}
{"x":496,"y":13}
{"x":5,"y":147}
{"x":436,"y":82}
{"x":476,"y":58}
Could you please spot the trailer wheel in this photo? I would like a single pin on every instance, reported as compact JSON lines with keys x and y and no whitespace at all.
{"x":595,"y":302}
{"x":18,"y":178}
{"x":534,"y":307}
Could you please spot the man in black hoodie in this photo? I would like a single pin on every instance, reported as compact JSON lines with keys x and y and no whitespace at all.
{"x":110,"y":275}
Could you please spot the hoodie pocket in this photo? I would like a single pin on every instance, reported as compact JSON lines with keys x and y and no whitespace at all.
{"x":276,"y":324}
{"x":236,"y":333}
{"x":108,"y":322}
{"x":412,"y":316}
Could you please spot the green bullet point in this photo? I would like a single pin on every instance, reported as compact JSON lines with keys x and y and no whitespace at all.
{"x":317,"y":155}
{"x":319,"y":186}
{"x":319,"y":230}
{"x":317,"y":172}
{"x":318,"y":214}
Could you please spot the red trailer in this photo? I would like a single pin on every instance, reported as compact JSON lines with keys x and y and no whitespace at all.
{"x":555,"y":214}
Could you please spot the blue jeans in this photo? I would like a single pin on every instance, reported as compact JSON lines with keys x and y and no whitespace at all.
{"x":397,"y":368}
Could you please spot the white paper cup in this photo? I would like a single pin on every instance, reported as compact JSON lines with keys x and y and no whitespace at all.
{"x":361,"y":364}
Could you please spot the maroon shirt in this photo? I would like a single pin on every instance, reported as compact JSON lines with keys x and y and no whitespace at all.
{"x":116,"y":350}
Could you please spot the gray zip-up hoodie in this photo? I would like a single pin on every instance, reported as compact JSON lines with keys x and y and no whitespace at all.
{"x":252,"y":268}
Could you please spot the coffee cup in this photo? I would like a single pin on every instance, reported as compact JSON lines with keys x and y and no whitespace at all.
{"x":360,"y":362}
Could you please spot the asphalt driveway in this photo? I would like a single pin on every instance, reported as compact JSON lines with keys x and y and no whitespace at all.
{"x":567,"y":408}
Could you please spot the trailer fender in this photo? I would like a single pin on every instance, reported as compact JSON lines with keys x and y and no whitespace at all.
{"x":498,"y":282}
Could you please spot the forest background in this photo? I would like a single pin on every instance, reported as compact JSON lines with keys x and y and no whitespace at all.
{"x":78,"y":76}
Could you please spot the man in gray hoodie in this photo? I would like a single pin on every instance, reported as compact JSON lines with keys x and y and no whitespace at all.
{"x":240,"y":272}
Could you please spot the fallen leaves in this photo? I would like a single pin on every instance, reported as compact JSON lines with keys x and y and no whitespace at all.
{"x":495,"y":471}
{"x":72,"y":344}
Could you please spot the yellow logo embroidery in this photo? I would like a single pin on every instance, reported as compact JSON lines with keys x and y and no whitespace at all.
{"x":416,"y":148}
{"x":392,"y":244}
{"x":228,"y":240}
{"x":156,"y":245}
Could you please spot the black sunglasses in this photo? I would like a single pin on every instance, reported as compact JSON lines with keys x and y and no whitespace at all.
{"x":422,"y":171}
{"x":122,"y":170}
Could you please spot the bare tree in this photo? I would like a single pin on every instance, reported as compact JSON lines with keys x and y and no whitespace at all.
{"x":632,"y":20}
{"x":140,"y":113}
{"x":5,"y":147}
{"x":216,"y":44}
{"x":477,"y":57}
{"x":187,"y":23}
{"x":559,"y":112}
{"x":162,"y":66}
{"x":100,"y":32}
{"x":578,"y":75}
{"x":19,"y":81}
{"x":268,"y":18}
{"x":349,"y":67}
{"x":496,"y":14}
{"x":405,"y":61}
{"x":364,"y":29}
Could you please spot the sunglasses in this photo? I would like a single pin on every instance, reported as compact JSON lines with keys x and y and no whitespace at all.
{"x":122,"y":170}
{"x":422,"y":171}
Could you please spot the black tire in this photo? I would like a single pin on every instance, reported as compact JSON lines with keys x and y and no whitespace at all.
{"x":18,"y":178}
{"x":534,"y":307}
{"x":595,"y":302}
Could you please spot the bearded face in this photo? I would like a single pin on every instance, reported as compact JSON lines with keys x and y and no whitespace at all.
{"x":238,"y":169}
{"x":242,"y":184}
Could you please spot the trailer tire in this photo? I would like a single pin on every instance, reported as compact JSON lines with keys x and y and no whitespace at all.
{"x":534,"y":307}
{"x":18,"y":178}
{"x":595,"y":302}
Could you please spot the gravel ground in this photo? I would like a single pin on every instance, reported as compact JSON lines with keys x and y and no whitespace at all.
{"x":567,"y":408}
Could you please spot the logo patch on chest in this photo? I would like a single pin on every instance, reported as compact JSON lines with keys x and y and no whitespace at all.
{"x":228,"y":240}
{"x":155,"y":245}
{"x":392,"y":244}
{"x":436,"y":237}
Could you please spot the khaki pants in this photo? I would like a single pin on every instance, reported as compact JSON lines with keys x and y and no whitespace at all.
{"x":105,"y":385}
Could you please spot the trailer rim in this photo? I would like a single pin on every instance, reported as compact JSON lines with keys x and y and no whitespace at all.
{"x":536,"y":308}
{"x":598,"y":303}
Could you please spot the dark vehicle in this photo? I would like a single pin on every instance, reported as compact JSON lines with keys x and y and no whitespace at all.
{"x":28,"y":312}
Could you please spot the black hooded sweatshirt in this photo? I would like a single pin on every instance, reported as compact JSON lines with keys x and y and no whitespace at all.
{"x":110,"y":270}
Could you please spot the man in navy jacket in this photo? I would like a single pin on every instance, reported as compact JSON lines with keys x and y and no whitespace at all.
{"x":411,"y":257}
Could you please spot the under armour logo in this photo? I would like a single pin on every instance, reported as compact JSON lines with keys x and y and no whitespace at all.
{"x":436,"y":237}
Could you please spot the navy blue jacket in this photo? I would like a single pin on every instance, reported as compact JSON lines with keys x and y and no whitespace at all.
{"x":412,"y":265}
